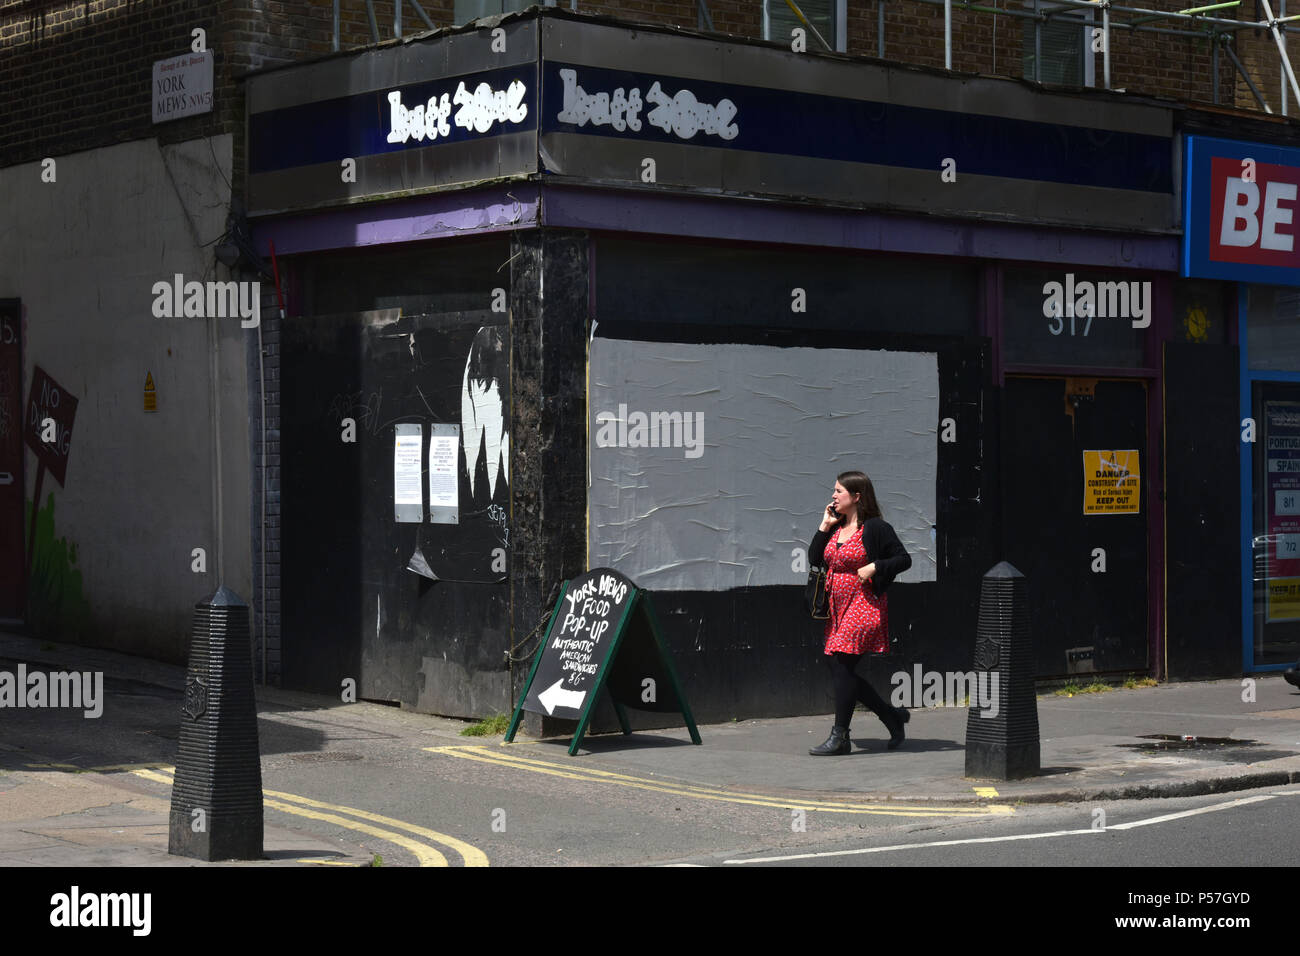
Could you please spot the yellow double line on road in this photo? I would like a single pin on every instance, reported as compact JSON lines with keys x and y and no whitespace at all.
{"x":314,"y":809}
{"x":503,"y":758}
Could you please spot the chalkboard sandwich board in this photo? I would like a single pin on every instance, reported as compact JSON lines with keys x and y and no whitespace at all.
{"x":602,"y":635}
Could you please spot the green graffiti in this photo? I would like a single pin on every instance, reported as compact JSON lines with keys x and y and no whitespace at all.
{"x":56,"y":608}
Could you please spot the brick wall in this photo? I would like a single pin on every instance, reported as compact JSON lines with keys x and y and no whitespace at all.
{"x":1258,"y":52}
{"x":78,"y":73}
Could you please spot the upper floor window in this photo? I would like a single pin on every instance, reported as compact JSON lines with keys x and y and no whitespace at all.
{"x":828,"y":17}
{"x":1059,"y":51}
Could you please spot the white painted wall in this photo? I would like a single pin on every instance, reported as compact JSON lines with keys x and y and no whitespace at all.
{"x":83,"y":254}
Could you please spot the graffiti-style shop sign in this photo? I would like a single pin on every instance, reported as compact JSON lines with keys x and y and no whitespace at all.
{"x":602,"y":634}
{"x":48,"y":427}
{"x":434,"y":113}
{"x":1111,"y":482}
{"x":1242,"y":219}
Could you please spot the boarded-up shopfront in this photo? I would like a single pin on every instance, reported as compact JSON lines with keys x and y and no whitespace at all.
{"x":661,"y":289}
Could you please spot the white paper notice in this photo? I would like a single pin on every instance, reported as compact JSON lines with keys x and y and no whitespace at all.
{"x":443,"y":480}
{"x":406,"y":470}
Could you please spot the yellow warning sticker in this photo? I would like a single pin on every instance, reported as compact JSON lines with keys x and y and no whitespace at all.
{"x":1283,"y":599}
{"x":1111,"y":482}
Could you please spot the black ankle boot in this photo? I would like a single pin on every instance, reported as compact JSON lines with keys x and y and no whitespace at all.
{"x":836,"y":743}
{"x":901,"y":716}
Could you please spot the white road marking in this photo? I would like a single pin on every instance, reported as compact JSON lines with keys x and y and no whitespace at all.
{"x":1190,"y":813}
{"x":912,"y":846}
{"x":1019,"y":836}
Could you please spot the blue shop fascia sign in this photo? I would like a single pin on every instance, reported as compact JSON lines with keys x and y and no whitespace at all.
{"x":783,"y":123}
{"x":1240,"y":211}
{"x":773,"y":140}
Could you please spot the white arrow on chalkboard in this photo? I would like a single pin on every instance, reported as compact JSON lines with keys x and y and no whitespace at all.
{"x":556,"y":696}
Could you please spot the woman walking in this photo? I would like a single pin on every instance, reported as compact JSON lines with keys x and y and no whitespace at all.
{"x":862,"y":555}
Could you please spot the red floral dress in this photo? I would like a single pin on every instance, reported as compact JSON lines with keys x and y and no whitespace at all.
{"x":859,"y":620}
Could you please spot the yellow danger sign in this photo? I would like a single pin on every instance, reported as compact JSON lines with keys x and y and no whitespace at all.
{"x":1111,"y":481}
{"x":1283,"y":599}
{"x":150,"y":394}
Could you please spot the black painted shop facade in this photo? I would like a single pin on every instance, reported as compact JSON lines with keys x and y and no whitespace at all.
{"x":792,"y":277}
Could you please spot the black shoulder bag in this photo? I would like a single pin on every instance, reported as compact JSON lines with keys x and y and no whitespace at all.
{"x":815,"y":596}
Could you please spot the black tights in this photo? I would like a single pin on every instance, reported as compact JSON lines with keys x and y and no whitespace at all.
{"x":850,"y":688}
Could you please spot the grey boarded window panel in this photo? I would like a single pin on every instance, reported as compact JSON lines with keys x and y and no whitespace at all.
{"x":710,"y":465}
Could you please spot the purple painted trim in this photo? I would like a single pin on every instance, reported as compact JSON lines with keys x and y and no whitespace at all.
{"x":433,"y":216}
{"x":742,"y":220}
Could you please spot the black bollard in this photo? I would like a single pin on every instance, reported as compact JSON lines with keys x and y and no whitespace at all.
{"x":216,"y":811}
{"x":1002,"y":724}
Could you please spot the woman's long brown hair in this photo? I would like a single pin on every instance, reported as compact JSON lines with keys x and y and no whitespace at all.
{"x":857,"y":483}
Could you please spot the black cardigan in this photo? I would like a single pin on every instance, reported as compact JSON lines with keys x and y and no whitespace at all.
{"x":882,"y":547}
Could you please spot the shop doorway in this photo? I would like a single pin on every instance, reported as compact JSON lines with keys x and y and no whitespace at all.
{"x":1273,"y":639}
{"x":1087,"y":572}
{"x":12,"y":562}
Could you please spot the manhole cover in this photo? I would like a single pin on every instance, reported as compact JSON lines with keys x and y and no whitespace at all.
{"x":325,"y":756}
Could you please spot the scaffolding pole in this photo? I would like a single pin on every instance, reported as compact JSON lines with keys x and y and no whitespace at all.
{"x":1105,"y":42}
{"x":947,"y":34}
{"x":1048,"y":15}
{"x":703,"y":18}
{"x":1281,"y":12}
{"x":1215,"y":78}
{"x":1281,"y":47}
{"x":374,"y":27}
{"x":1259,"y":97}
{"x":423,"y":16}
{"x":1217,"y":28}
